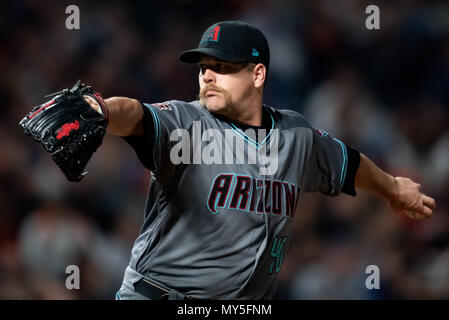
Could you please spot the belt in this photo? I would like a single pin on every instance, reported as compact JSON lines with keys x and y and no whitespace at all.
{"x":154,"y":291}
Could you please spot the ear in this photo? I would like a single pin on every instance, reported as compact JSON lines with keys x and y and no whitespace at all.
{"x":259,"y":74}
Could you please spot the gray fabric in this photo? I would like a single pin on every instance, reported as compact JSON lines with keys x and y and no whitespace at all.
{"x":219,"y":252}
{"x":128,"y":292}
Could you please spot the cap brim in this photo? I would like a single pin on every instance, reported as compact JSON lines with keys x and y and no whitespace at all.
{"x":194,"y":55}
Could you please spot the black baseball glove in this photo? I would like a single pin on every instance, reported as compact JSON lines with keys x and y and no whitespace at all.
{"x":69,"y":128}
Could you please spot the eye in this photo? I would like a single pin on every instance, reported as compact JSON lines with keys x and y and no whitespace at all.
{"x":202,"y":68}
{"x":222,"y":68}
{"x":218,"y":67}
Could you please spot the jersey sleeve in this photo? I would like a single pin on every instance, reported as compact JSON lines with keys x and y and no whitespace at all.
{"x":159,"y":121}
{"x":331,"y":165}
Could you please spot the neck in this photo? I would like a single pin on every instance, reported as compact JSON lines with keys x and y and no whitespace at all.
{"x":250,"y":113}
{"x":249,"y":117}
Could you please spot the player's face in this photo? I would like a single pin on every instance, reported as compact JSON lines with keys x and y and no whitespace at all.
{"x":224,"y":86}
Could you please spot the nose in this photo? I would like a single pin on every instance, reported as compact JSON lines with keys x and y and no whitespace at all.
{"x":208,"y":76}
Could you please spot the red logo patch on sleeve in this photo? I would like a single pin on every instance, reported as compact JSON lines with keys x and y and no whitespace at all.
{"x":320,"y":132}
{"x":162,"y":106}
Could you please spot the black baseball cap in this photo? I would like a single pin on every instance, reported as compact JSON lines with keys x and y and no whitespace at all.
{"x":233,"y":41}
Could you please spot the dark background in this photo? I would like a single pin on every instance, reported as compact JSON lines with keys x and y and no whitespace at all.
{"x":385,"y":92}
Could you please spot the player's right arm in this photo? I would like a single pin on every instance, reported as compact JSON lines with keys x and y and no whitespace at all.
{"x":402,"y":194}
{"x":125,"y":116}
{"x":147,"y":127}
{"x":129,"y":119}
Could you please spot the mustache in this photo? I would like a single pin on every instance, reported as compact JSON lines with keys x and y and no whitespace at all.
{"x":210,"y":87}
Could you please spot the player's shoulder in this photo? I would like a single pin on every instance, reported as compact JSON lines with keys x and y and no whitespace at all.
{"x":178,"y":106}
{"x":182,"y":113}
{"x":287,"y":119}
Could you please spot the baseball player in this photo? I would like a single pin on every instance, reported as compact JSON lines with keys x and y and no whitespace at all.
{"x":227,"y":175}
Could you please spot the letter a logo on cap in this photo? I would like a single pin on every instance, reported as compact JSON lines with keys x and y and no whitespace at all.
{"x":211,"y":35}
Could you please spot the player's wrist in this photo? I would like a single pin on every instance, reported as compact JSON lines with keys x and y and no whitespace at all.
{"x":93,"y":103}
{"x":125,"y":114}
{"x":96,"y":101}
{"x":392,"y":191}
{"x":385,"y":186}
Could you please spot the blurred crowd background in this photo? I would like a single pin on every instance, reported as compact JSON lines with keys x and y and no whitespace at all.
{"x":384,"y":92}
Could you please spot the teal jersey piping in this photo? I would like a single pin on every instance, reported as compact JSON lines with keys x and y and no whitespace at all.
{"x":345,"y":163}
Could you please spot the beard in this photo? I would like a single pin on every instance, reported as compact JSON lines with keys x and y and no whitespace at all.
{"x":224,"y":106}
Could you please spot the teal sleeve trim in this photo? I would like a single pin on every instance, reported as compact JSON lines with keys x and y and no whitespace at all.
{"x":157,"y":128}
{"x":344,"y":166}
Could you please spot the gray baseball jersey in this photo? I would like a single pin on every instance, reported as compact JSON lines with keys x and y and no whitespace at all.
{"x":223,"y":195}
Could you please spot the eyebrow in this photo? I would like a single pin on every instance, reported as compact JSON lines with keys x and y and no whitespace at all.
{"x":213,"y":62}
{"x":228,"y":63}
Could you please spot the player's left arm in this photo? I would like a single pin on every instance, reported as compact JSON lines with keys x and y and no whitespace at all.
{"x":125,"y":116}
{"x":402,"y":194}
